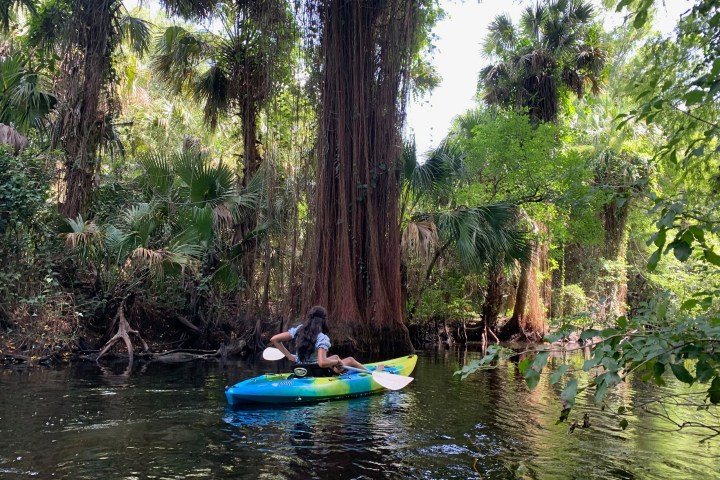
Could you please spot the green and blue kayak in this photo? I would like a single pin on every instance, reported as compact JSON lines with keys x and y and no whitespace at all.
{"x":284,"y":388}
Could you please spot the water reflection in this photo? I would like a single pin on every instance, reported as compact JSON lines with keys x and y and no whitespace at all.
{"x":363,"y":435}
{"x":172,"y":421}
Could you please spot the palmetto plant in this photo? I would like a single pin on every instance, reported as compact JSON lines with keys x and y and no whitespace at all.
{"x":479,"y":238}
{"x":181,"y":235}
{"x":553,"y":47}
{"x":25,"y":102}
{"x":234,"y":71}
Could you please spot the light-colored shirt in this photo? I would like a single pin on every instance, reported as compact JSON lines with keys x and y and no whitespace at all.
{"x":322,"y":341}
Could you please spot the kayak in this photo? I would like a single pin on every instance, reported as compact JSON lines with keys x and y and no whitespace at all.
{"x":286,"y":388}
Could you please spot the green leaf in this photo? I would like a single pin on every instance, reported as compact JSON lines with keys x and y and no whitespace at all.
{"x":608,"y":332}
{"x":658,"y":369}
{"x":600,"y":392}
{"x":660,"y":237}
{"x":697,"y":232}
{"x":532,"y":378}
{"x":589,"y":333}
{"x":714,"y":391}
{"x":661,"y":309}
{"x":681,"y":249}
{"x":622,"y":321}
{"x":640,"y":18}
{"x":703,"y":371}
{"x":610,"y":364}
{"x":591,"y":362}
{"x":653,"y":260}
{"x":689,"y":304}
{"x":524,"y":364}
{"x":555,"y":377}
{"x":712,"y":257}
{"x":622,"y":4}
{"x":696,"y":96}
{"x":681,"y":373}
{"x":569,"y":393}
{"x":540,"y":360}
{"x":552,"y":338}
{"x":715,"y":68}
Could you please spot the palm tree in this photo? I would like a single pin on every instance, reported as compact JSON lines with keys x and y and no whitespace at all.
{"x":235,"y":72}
{"x":485,"y":239}
{"x":85,"y":35}
{"x":552,"y":48}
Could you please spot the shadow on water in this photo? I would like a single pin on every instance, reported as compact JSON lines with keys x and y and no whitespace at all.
{"x":172,"y":421}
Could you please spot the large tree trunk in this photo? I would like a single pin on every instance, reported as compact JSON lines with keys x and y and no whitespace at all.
{"x":355,"y":263}
{"x":493,"y":297}
{"x":614,"y":218}
{"x":529,"y":315}
{"x":81,"y":120}
{"x":243,"y":229}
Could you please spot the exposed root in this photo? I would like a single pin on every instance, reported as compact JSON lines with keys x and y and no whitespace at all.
{"x":123,"y":333}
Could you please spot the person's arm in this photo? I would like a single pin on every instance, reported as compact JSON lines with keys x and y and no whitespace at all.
{"x":277,"y":341}
{"x":325,"y":362}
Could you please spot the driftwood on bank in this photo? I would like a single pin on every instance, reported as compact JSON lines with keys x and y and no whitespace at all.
{"x":123,"y":333}
{"x":189,"y":325}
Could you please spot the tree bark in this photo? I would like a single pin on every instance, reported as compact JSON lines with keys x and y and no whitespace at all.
{"x":493,"y":297}
{"x":355,"y":265}
{"x":529,"y":315}
{"x":81,"y":119}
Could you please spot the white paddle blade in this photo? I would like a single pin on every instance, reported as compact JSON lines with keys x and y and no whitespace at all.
{"x":272,"y":353}
{"x":391,"y":381}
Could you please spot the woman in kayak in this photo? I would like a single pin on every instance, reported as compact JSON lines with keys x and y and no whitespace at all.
{"x":312,"y":343}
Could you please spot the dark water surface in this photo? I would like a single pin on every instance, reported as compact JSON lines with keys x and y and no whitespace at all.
{"x":172,"y":422}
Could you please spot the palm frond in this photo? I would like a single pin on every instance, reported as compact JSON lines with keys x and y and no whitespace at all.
{"x":159,"y":174}
{"x":178,"y":54}
{"x":118,"y":242}
{"x":532,"y":20}
{"x":482,"y":235}
{"x":140,"y":219}
{"x":24,"y":102}
{"x":247,"y":201}
{"x":191,"y":9}
{"x":501,"y":37}
{"x":202,"y":222}
{"x":48,"y":28}
{"x":9,"y":9}
{"x":136,"y":33}
{"x":581,"y":12}
{"x":84,"y":235}
{"x":212,"y":87}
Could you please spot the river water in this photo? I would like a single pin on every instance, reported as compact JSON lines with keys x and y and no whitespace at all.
{"x":172,"y":422}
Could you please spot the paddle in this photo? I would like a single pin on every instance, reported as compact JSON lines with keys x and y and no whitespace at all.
{"x":272,"y":353}
{"x":391,"y":381}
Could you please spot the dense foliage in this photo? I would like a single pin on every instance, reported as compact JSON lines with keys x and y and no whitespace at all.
{"x":206,"y":172}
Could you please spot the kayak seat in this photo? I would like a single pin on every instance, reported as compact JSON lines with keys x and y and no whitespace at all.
{"x":302,"y":370}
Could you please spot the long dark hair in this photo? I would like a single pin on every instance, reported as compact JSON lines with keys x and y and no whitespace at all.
{"x":315,"y":322}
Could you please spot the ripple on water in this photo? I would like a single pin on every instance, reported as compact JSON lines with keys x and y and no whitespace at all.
{"x":172,"y":422}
